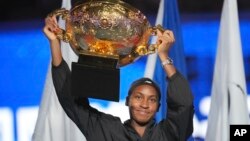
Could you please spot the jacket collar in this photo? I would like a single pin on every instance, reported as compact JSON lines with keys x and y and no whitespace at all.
{"x":149,"y":127}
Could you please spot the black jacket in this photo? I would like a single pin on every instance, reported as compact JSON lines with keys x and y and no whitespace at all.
{"x":98,"y":126}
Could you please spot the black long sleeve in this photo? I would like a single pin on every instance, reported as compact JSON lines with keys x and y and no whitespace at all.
{"x":98,"y":126}
{"x":180,"y":106}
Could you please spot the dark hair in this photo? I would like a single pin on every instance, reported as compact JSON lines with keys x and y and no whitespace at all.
{"x":145,"y":81}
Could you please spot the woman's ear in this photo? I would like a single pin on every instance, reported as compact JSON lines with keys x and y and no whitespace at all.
{"x":127,"y":100}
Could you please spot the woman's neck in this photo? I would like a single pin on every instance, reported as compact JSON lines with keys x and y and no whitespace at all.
{"x":140,"y":129}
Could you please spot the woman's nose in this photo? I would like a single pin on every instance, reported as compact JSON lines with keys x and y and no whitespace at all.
{"x":144,"y":103}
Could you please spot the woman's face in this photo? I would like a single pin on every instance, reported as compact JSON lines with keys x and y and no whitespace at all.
{"x":143,"y":104}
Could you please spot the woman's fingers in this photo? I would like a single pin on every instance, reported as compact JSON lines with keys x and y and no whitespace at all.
{"x":169,"y":35}
{"x":51,"y":23}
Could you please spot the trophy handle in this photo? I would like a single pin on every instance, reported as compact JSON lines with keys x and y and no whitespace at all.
{"x":61,"y":33}
{"x":142,"y":49}
{"x":152,"y":47}
{"x":149,"y":49}
{"x":154,"y":29}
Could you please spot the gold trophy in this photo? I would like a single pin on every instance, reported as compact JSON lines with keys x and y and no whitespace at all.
{"x":106,"y":35}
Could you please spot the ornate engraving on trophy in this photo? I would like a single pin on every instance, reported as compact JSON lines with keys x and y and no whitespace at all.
{"x":108,"y":29}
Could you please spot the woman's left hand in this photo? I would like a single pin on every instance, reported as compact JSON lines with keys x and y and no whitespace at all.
{"x":165,"y":41}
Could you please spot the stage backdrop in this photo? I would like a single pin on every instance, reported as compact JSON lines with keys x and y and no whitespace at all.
{"x":25,"y":55}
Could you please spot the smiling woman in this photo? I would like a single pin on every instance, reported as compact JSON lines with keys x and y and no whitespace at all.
{"x":143,"y":104}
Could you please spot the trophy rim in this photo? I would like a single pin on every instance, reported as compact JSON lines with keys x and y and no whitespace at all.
{"x":120,"y":2}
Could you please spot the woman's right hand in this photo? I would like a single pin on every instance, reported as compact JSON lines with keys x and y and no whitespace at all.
{"x":50,"y":28}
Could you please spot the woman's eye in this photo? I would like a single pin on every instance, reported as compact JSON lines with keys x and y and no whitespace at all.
{"x":138,"y":97}
{"x":153,"y":100}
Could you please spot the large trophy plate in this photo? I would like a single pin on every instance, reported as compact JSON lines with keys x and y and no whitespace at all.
{"x":106,"y":34}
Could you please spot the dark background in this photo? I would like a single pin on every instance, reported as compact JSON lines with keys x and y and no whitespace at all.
{"x":33,"y":9}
